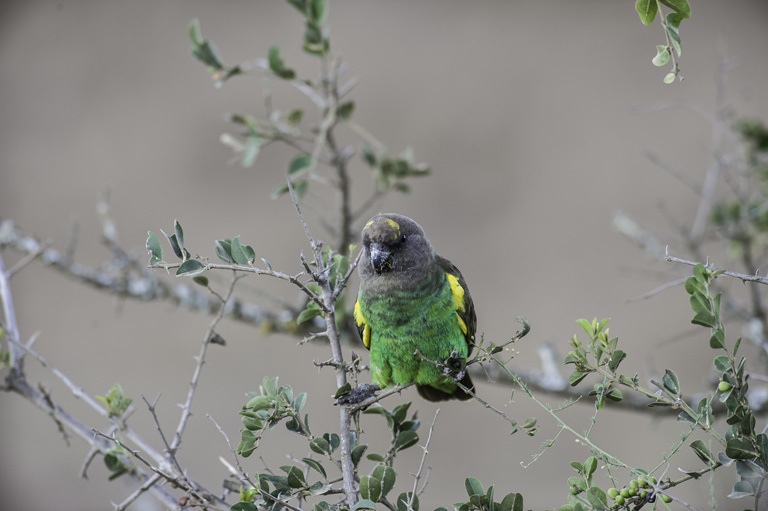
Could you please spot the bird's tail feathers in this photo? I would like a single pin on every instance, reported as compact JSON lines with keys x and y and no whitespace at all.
{"x":434,"y":394}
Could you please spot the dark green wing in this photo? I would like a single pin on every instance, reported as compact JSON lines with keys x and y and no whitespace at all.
{"x":465,"y":307}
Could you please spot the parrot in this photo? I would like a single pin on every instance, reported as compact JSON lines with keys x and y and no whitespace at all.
{"x":413,"y":311}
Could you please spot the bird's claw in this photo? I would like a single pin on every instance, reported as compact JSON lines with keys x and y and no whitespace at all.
{"x":357,"y":395}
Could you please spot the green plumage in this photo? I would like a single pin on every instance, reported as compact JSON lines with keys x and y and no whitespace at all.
{"x":411,"y":300}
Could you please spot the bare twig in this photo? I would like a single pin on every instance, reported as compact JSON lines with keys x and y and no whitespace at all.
{"x":741,"y":276}
{"x":187,"y":406}
{"x":181,"y":481}
{"x":347,"y":466}
{"x":242,"y":475}
{"x":417,"y":475}
{"x":149,"y":483}
{"x":656,"y":290}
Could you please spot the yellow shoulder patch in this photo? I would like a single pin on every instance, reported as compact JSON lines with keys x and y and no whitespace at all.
{"x":362,"y":326}
{"x":462,"y":325}
{"x":457,"y":292}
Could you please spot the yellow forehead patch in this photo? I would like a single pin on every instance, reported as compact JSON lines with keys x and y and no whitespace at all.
{"x":457,"y":292}
{"x":394,"y":225}
{"x":369,"y":223}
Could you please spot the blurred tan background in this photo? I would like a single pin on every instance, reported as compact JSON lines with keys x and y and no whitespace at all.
{"x":526,"y":112}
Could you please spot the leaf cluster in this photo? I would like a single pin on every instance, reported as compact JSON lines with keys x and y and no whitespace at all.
{"x":743,"y":445}
{"x":484,"y":500}
{"x":679,"y":10}
{"x":116,"y":401}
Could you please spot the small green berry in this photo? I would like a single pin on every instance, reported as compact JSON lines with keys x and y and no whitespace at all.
{"x":642,"y":482}
{"x":724,"y":386}
{"x":574,"y":490}
{"x":665,"y":498}
{"x":613,"y":493}
{"x":643,"y":494}
{"x":619,"y":500}
{"x":653,"y":480}
{"x":633,"y":485}
{"x":625,"y":493}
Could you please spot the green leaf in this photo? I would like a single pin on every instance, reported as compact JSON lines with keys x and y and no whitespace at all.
{"x":179,"y":232}
{"x":154,"y":247}
{"x":320,"y":446}
{"x":251,"y":149}
{"x":375,"y":457}
{"x":742,"y":489}
{"x":736,"y":346}
{"x":364,"y":504}
{"x":299,"y":402}
{"x":277,"y":66}
{"x":318,"y":11}
{"x":174,"y":245}
{"x":662,"y":56}
{"x":247,"y":443}
{"x":343,"y":390}
{"x":200,"y":280}
{"x":722,"y":363}
{"x":244,"y":506}
{"x":387,"y":476}
{"x":333,"y":440}
{"x":647,"y":10}
{"x":404,"y":498}
{"x":370,"y":488}
{"x":203,"y":50}
{"x":344,"y":111}
{"x":295,"y":476}
{"x":616,"y":359}
{"x":673,"y":30}
{"x":357,"y":453}
{"x":700,"y":272}
{"x":295,"y":116}
{"x":406,"y":439}
{"x":367,"y":154}
{"x":224,"y":250}
{"x":511,"y":502}
{"x":597,"y":498}
{"x":717,"y":341}
{"x":671,"y":382}
{"x":259,"y":403}
{"x":700,"y":304}
{"x":299,"y":163}
{"x":586,"y":326}
{"x":704,"y":319}
{"x":189,"y":268}
{"x":306,"y":315}
{"x":682,"y":7}
{"x":740,"y":449}
{"x":252,"y":423}
{"x":238,"y":253}
{"x":473,"y":486}
{"x":703,"y":452}
{"x":399,"y":412}
{"x":590,"y":466}
{"x":575,"y":378}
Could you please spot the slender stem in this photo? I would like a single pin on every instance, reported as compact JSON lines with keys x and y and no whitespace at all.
{"x":328,"y":302}
{"x":16,"y":359}
{"x":187,"y":407}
